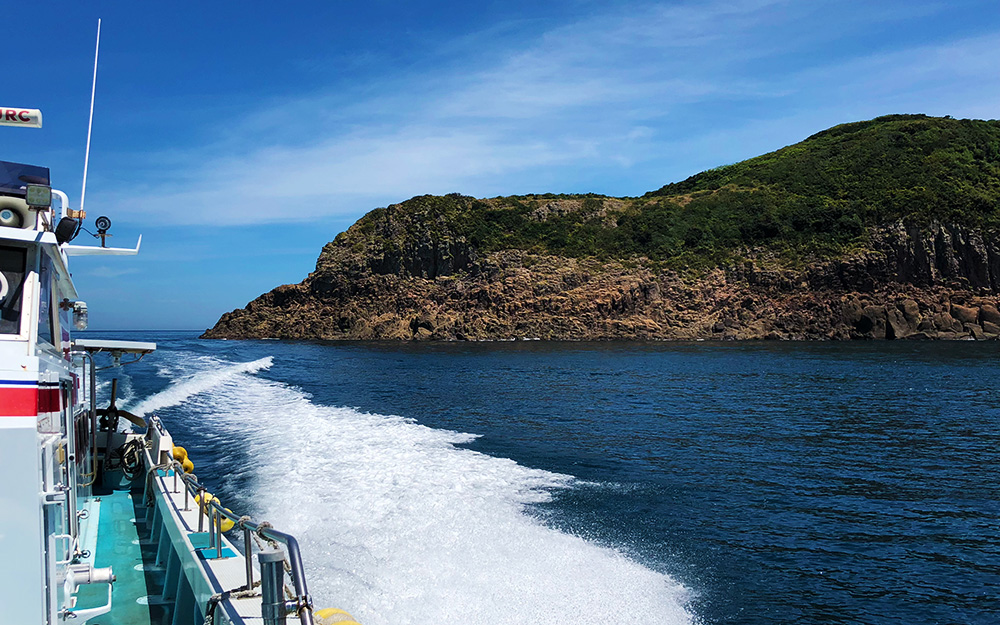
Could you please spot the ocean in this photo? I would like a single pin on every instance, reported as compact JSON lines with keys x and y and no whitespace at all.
{"x":668,"y":483}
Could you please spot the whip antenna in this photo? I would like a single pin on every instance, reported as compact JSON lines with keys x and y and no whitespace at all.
{"x":90,"y":124}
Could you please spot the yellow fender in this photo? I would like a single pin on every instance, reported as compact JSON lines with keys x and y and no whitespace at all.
{"x":333,"y":616}
{"x":227,"y":523}
{"x":180,"y":454}
{"x":188,"y":466}
{"x":209,"y":498}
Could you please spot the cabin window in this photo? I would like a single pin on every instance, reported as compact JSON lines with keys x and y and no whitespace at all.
{"x":45,"y":300}
{"x":13,"y":261}
{"x":55,"y":312}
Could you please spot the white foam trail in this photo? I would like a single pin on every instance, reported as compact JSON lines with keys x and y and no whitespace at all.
{"x":102,"y":388}
{"x":398,"y":525}
{"x":217,"y":374}
{"x":125,"y":391}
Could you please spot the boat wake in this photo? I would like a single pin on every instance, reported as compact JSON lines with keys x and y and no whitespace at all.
{"x":400,"y":525}
{"x":216,"y":374}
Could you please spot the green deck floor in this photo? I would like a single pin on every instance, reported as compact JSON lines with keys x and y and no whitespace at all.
{"x":122,"y":545}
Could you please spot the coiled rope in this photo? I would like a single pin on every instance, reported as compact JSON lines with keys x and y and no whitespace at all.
{"x":127,"y":457}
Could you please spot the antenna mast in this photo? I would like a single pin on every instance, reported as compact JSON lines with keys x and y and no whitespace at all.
{"x":90,"y":124}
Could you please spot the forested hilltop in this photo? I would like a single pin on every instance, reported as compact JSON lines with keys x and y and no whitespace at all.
{"x":877,"y":229}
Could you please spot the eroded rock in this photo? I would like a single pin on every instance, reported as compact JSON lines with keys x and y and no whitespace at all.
{"x":411,"y":280}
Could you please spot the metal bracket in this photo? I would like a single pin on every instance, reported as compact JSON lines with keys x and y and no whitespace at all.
{"x":79,"y":575}
{"x":69,"y":546}
{"x":89,"y":613}
{"x":296,"y":605}
{"x":54,"y":497}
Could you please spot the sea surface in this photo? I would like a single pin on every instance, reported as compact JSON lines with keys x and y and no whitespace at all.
{"x":669,"y":483}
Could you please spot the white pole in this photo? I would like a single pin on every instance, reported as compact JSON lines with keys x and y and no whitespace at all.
{"x":90,"y":124}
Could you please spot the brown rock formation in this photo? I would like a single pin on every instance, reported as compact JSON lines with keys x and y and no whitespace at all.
{"x":884,"y":228}
{"x":417,"y":281}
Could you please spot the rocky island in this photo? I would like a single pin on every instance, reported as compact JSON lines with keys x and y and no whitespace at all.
{"x":882,"y":229}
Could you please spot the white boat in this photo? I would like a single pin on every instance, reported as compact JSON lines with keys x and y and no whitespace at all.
{"x":103,"y":518}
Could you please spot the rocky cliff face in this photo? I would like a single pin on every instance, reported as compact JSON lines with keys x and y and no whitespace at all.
{"x":885,"y":228}
{"x":399,"y":277}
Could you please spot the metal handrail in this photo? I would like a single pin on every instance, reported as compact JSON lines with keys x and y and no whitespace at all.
{"x":93,"y":416}
{"x":301,"y":604}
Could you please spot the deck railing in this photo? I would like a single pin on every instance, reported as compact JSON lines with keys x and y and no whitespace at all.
{"x":275,"y":608}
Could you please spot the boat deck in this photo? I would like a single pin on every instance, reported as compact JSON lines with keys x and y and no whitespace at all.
{"x":122,"y":543}
{"x":167,"y":566}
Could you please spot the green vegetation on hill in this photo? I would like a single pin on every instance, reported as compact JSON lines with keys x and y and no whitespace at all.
{"x":855,"y":176}
{"x":814,"y":198}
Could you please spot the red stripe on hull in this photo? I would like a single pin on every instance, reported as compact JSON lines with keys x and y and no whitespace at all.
{"x":19,"y":402}
{"x":48,"y":400}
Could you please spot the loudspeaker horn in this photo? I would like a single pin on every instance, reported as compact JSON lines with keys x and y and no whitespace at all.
{"x":14,"y":213}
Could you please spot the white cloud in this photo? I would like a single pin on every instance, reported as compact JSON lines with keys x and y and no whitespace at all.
{"x":109,"y":272}
{"x":652,"y":90}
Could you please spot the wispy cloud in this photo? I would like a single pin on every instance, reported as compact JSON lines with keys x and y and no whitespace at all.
{"x":109,"y":272}
{"x":643,"y":95}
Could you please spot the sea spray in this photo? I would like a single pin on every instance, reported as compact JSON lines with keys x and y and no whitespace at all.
{"x":400,"y":525}
{"x":193,"y":384}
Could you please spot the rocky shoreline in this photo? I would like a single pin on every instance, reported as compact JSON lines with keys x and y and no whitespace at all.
{"x":911,"y":282}
{"x":879,"y":229}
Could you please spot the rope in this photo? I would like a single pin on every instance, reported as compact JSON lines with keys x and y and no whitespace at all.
{"x":259,"y":536}
{"x":127,"y":457}
{"x":237,"y":593}
{"x":156,"y":467}
{"x":148,"y":500}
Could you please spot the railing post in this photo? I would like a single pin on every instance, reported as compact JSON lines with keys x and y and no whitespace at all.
{"x":218,"y":534}
{"x":201,"y":509}
{"x":147,"y":490}
{"x":272,"y":582}
{"x":248,"y":558}
{"x":211,"y":527}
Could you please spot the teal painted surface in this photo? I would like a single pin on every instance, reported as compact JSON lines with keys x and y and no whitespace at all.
{"x":121,"y":544}
{"x":200,"y":541}
{"x":209,"y":553}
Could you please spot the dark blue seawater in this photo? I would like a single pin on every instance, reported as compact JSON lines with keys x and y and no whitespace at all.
{"x":757,"y":483}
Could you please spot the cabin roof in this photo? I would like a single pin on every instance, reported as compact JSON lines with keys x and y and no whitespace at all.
{"x":14,"y":177}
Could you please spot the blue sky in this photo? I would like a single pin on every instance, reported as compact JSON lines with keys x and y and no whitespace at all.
{"x":240,"y":137}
